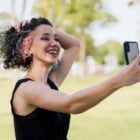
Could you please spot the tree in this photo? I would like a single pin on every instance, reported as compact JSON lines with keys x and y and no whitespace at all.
{"x":74,"y":16}
{"x":111,"y":47}
{"x":133,"y":2}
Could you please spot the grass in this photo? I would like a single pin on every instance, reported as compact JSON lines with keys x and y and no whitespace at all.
{"x":117,"y":117}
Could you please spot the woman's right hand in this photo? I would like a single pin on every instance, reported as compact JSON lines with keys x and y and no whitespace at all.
{"x":131,"y":73}
{"x":21,"y":24}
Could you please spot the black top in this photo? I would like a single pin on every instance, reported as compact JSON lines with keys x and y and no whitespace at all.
{"x":40,"y":124}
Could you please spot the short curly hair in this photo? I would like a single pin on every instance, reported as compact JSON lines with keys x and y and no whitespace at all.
{"x":11,"y":42}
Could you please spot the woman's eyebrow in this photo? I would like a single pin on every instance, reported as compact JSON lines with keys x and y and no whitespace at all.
{"x":48,"y":34}
{"x":45,"y":34}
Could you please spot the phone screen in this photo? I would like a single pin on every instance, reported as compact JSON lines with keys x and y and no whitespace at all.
{"x":131,"y":51}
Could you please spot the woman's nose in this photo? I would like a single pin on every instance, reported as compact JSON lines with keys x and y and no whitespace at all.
{"x":53,"y":42}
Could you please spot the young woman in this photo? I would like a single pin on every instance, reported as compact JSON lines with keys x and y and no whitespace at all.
{"x":40,"y":111}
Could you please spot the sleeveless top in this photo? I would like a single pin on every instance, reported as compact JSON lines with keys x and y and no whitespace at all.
{"x":40,"y":124}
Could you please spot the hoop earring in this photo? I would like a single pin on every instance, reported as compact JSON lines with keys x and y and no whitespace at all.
{"x":56,"y":64}
{"x":27,"y":55}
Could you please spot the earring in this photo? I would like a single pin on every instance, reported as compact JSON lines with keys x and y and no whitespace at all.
{"x":29,"y":54}
{"x":56,"y":64}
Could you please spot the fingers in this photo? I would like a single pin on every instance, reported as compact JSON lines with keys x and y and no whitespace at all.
{"x":17,"y":27}
{"x":136,"y":60}
{"x":21,"y":24}
{"x":136,"y":65}
{"x":24,"y":22}
{"x":131,"y":73}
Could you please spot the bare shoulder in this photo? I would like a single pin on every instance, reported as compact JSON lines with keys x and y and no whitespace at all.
{"x":29,"y":90}
{"x":39,"y":95}
{"x":32,"y":88}
{"x":20,"y":102}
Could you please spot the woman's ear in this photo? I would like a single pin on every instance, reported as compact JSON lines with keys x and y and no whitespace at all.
{"x":26,"y":46}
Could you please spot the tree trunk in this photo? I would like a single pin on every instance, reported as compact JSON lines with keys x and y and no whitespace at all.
{"x":83,"y":56}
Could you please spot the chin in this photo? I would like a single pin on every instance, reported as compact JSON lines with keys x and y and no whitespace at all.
{"x":52,"y":62}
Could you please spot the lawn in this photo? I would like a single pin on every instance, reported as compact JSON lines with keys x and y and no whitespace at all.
{"x":116,"y":118}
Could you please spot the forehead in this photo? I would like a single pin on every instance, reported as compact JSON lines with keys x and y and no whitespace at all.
{"x":42,"y":29}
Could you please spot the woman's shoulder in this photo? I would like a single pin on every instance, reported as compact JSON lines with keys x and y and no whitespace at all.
{"x":20,"y":82}
{"x":30,"y":86}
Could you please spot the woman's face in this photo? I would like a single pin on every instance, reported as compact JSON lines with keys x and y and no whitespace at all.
{"x":45,"y":46}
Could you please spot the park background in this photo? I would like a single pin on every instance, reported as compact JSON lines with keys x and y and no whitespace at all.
{"x":102,"y":26}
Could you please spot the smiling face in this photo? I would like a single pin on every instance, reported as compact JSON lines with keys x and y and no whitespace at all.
{"x":45,"y":46}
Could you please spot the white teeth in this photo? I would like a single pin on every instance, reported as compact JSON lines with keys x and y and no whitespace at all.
{"x":54,"y":52}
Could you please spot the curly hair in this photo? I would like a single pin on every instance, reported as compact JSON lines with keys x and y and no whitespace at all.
{"x":11,"y":42}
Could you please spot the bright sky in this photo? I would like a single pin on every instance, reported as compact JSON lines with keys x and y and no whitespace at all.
{"x":127,"y":27}
{"x":5,"y":6}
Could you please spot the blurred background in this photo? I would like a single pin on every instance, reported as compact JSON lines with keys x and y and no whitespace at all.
{"x":102,"y":26}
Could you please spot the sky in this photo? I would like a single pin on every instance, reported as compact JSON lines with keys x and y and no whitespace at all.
{"x":5,"y":6}
{"x":127,"y":27}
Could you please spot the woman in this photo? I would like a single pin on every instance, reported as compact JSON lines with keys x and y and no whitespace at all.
{"x":40,"y":111}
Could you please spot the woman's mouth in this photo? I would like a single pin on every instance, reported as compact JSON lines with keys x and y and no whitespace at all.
{"x":54,"y":52}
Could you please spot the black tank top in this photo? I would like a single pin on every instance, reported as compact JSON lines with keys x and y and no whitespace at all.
{"x":40,"y":124}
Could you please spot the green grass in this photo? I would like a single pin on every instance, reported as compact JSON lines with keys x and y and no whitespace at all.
{"x":116,"y":118}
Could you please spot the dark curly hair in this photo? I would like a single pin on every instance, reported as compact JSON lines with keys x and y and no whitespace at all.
{"x":11,"y":40}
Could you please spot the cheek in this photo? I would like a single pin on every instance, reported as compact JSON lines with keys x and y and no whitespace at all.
{"x":38,"y":46}
{"x":38,"y":51}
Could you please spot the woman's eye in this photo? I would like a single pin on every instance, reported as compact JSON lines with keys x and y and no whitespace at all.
{"x":44,"y":38}
{"x":57,"y":39}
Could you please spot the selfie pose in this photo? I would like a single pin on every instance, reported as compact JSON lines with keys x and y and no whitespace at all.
{"x":40,"y":111}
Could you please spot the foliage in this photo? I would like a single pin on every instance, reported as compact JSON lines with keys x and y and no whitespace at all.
{"x":74,"y":16}
{"x":4,"y":15}
{"x":74,"y":13}
{"x":110,"y":48}
{"x":5,"y":19}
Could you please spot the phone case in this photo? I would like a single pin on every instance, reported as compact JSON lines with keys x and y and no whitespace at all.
{"x":131,"y":50}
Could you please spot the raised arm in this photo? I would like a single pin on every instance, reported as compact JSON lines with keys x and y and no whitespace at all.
{"x":44,"y":97}
{"x":70,"y":45}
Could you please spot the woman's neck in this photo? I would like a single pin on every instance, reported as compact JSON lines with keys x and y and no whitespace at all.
{"x":38,"y":73}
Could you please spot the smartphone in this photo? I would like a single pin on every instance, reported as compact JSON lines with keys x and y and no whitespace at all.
{"x":131,"y":50}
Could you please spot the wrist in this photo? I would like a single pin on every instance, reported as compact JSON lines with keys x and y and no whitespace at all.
{"x":68,"y":41}
{"x":118,"y":81}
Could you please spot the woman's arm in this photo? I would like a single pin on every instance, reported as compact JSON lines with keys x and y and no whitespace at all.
{"x":41,"y":96}
{"x":70,"y":45}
